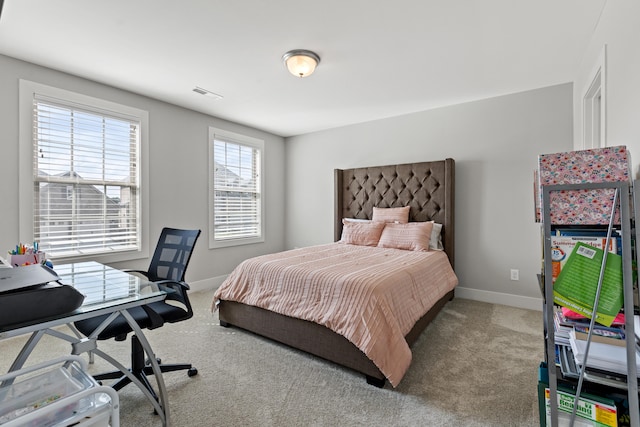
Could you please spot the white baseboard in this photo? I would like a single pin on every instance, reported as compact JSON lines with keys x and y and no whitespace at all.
{"x":499,"y":298}
{"x":209,"y":284}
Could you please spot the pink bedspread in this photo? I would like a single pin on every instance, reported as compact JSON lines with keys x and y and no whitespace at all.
{"x":372,"y":296}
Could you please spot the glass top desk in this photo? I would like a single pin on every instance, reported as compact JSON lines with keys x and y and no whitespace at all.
{"x":107,"y":291}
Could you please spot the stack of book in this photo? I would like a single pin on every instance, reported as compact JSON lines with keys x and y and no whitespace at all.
{"x":566,"y":322}
{"x":605,"y":353}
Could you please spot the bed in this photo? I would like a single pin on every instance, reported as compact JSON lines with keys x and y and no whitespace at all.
{"x":427,"y":188}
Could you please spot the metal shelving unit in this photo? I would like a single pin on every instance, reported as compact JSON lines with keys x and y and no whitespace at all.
{"x":624,"y":193}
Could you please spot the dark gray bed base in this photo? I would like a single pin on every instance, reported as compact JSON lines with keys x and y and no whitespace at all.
{"x":314,"y":338}
{"x":427,"y":187}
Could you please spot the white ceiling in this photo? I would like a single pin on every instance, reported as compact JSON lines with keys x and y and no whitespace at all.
{"x":380,"y":58}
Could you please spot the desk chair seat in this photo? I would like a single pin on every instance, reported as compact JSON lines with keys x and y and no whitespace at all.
{"x":168,"y":267}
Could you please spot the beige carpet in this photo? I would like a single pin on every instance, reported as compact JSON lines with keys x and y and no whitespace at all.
{"x":475,"y":365}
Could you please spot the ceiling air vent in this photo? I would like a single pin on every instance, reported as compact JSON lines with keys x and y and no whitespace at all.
{"x":206,"y":92}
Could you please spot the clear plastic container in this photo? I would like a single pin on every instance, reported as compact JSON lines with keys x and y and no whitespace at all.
{"x":55,"y":393}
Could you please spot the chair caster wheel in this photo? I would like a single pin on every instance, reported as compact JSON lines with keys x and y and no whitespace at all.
{"x":192,"y":372}
{"x":148,"y":361}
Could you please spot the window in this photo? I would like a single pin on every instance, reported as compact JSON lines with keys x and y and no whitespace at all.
{"x":85,"y":181}
{"x":236,"y":189}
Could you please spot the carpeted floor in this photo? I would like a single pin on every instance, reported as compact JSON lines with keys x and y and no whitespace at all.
{"x":475,"y":365}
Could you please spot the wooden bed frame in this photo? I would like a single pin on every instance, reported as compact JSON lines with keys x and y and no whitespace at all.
{"x":429,"y":189}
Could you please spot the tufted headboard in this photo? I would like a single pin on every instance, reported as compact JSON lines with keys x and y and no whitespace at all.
{"x":427,"y":187}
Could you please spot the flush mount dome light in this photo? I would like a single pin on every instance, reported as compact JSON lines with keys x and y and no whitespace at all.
{"x":300,"y":62}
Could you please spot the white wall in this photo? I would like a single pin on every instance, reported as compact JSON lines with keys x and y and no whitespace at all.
{"x":178,"y":168}
{"x":495,"y":144}
{"x":619,"y":29}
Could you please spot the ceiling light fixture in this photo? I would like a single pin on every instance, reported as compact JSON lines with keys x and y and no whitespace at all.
{"x":301,"y":62}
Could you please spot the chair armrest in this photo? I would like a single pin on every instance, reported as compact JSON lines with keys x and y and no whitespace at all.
{"x":183,"y":285}
{"x":179,"y":294}
{"x":155,"y":319}
{"x":142,"y":272}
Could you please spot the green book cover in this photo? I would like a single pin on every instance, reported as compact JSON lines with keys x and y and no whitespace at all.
{"x":577,"y":283}
{"x":596,"y":411}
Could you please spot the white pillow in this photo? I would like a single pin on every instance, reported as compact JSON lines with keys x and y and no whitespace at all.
{"x":345,"y":220}
{"x":435,"y":242}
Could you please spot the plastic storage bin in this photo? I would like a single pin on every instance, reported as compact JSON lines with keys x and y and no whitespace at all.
{"x":56,"y":393}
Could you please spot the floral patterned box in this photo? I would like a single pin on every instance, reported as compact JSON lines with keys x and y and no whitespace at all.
{"x":610,"y":164}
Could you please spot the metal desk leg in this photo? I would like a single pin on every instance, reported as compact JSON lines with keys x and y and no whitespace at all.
{"x":27,"y":348}
{"x":162,"y":390}
{"x":89,"y":345}
{"x":159,"y":409}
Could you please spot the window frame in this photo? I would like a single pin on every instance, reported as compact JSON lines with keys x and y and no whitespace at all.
{"x":27,"y":92}
{"x":255,"y":143}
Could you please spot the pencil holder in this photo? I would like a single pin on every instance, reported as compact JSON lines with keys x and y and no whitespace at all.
{"x":28,"y":259}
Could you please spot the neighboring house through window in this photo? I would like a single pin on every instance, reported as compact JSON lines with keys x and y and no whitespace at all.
{"x":236,"y":215}
{"x":85,"y":179}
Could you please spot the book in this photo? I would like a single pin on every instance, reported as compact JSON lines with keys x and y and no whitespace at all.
{"x":587,"y":231}
{"x":562,"y":246}
{"x":601,"y":334}
{"x":576,"y":285}
{"x":562,"y":327}
{"x":604,"y":357}
{"x":572,"y":316}
{"x":591,"y":412}
{"x":570,"y":369}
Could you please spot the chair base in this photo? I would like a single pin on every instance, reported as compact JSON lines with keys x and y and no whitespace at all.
{"x":140,"y":369}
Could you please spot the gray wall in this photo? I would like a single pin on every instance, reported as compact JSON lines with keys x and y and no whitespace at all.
{"x":495,"y":143}
{"x":178,"y":169}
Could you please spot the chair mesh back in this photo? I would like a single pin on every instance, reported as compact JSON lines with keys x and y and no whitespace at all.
{"x":172,"y":254}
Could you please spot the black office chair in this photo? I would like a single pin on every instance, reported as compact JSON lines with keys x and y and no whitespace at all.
{"x":168,"y":267}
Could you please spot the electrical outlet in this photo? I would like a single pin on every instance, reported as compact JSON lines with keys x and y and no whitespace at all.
{"x":515,"y":274}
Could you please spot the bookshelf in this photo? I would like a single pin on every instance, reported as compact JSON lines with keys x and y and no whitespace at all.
{"x":623,"y":196}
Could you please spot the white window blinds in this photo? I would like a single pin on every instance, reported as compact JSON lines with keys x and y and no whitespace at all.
{"x":237,"y":198}
{"x":86,"y":179}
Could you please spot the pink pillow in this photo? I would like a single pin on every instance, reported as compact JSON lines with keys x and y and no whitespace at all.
{"x":398,"y":215}
{"x":361,"y":233}
{"x":413,"y":236}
